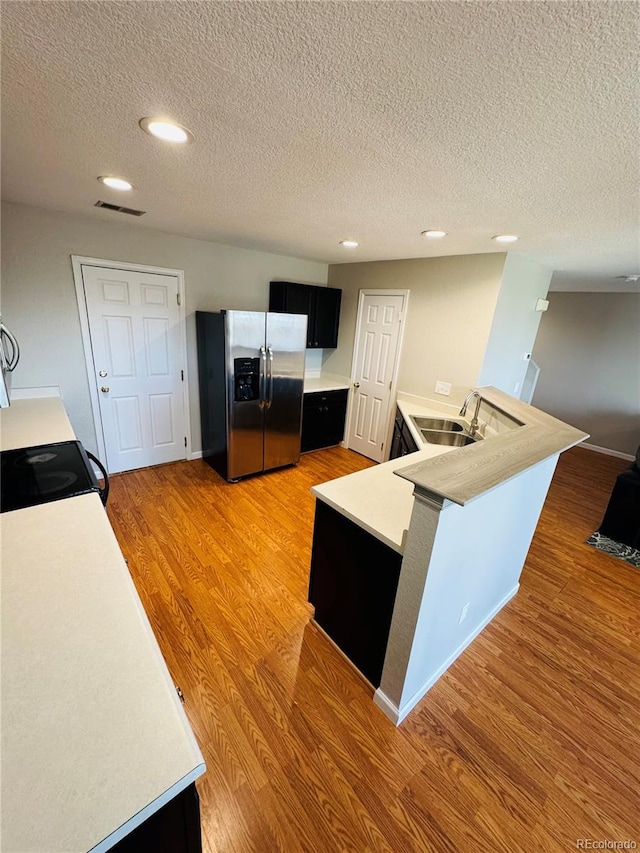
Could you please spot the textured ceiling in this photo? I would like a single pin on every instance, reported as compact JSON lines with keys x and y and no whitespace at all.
{"x":319,"y":121}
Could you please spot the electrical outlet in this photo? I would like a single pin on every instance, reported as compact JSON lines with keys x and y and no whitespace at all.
{"x":443,"y":388}
{"x":463,"y":613}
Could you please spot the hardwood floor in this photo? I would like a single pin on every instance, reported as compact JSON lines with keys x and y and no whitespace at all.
{"x":528,"y":742}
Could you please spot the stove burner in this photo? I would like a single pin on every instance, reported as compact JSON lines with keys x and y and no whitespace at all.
{"x":36,"y":459}
{"x":50,"y":482}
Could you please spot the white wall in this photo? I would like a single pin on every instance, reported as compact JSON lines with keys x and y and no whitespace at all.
{"x":515,"y":324}
{"x":588,"y":349}
{"x":39,"y":301}
{"x":451,"y":307}
{"x":456,"y":556}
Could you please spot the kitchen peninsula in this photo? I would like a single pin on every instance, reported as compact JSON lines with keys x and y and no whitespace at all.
{"x":97,"y":752}
{"x":442,"y":536}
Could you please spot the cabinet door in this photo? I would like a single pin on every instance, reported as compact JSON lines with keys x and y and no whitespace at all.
{"x":289,"y":297}
{"x":312,"y":422}
{"x":396,"y":443}
{"x":327,"y":314}
{"x":334,"y":418}
{"x":408,"y":440}
{"x":320,"y":304}
{"x":403,"y":442}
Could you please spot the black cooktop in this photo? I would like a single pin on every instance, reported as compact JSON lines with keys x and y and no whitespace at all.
{"x":47,"y":472}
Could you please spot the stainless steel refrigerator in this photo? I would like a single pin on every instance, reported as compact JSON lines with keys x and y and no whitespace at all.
{"x":251,"y":372}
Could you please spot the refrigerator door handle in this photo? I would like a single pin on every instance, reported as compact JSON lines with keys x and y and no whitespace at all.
{"x":263,"y":378}
{"x":270,"y":379}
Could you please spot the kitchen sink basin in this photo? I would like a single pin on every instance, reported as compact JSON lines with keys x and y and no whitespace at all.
{"x":437,"y":423}
{"x":451,"y":439}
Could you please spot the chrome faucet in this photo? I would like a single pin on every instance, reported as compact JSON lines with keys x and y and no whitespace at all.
{"x":463,"y":411}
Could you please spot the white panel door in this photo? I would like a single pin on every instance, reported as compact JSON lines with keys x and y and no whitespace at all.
{"x":376,"y":353}
{"x":134,"y":321}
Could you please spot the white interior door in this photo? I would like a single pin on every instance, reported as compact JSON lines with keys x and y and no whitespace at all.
{"x":136,"y":342}
{"x":376,"y":354}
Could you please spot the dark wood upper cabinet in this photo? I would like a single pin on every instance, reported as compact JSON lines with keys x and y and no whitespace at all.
{"x":320,"y":304}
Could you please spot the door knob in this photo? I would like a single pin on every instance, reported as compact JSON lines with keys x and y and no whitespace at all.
{"x":104,"y":389}
{"x":356,"y":384}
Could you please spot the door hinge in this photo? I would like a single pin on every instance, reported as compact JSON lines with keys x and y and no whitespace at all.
{"x":178,"y":299}
{"x":185,"y":441}
{"x":390,"y":385}
{"x":182,"y":375}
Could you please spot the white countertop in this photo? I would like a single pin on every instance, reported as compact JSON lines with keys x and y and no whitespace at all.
{"x":326,"y":382}
{"x":94,"y":737}
{"x":376,"y":499}
{"x":31,"y":422}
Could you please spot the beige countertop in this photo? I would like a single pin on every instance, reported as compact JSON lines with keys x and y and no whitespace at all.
{"x":377,"y":500}
{"x":94,"y":737}
{"x":477,"y":468}
{"x":326,"y":382}
{"x":31,"y":422}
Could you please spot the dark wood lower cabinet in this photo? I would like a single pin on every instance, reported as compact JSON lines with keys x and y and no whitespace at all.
{"x":353,"y":584}
{"x":323,"y":418}
{"x":175,"y":828}
{"x":402,"y":442}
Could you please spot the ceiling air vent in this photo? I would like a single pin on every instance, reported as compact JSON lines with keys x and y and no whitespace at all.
{"x":119,"y":209}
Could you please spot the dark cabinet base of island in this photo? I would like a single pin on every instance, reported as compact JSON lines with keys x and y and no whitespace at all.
{"x":353,"y":584}
{"x":175,"y":828}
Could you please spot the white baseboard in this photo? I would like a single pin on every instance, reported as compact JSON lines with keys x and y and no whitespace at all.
{"x":608,"y":452}
{"x":386,"y":706}
{"x":397,"y":715}
{"x":196,"y":454}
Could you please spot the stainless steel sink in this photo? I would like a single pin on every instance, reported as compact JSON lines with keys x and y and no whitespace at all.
{"x":438,"y":423}
{"x":451,"y":439}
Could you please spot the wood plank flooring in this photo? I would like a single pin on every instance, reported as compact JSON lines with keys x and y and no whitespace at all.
{"x":528,"y":742}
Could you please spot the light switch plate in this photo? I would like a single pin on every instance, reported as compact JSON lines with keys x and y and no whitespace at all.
{"x":443,"y":388}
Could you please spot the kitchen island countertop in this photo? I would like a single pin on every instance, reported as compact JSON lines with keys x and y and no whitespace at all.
{"x":376,"y":499}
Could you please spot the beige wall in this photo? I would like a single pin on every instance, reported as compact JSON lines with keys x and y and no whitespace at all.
{"x":515,"y":324}
{"x":588,"y":349}
{"x":39,"y":300}
{"x":451,"y":308}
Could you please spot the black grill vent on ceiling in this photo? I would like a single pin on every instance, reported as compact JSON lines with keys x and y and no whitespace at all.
{"x":119,"y":209}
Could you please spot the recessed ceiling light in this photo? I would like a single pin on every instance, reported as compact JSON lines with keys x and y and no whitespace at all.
{"x":167,"y":130}
{"x":115,"y":183}
{"x":434,"y":233}
{"x":505,"y":238}
{"x":349,"y":244}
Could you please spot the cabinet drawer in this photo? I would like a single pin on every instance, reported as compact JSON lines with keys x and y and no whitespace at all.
{"x":325,"y":398}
